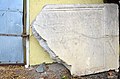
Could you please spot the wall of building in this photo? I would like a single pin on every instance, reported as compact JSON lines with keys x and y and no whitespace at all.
{"x":37,"y":54}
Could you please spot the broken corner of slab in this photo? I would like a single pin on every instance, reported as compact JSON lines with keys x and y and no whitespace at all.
{"x":83,"y":37}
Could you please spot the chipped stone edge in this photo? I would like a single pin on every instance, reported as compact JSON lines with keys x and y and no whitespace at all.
{"x":44,"y":45}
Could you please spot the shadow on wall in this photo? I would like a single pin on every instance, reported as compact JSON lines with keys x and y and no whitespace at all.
{"x":111,"y":1}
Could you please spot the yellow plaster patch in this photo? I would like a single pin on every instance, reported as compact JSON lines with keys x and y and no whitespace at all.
{"x":38,"y":55}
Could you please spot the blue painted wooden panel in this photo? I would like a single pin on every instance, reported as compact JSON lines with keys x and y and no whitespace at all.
{"x":11,"y":49}
{"x":11,"y":22}
{"x":11,"y":5}
{"x":2,"y":20}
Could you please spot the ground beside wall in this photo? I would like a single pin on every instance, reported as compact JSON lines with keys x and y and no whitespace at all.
{"x":19,"y":72}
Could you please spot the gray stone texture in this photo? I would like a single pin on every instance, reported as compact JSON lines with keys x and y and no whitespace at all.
{"x":86,"y":37}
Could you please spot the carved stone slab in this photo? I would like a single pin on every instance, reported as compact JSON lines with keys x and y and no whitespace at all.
{"x":83,"y":36}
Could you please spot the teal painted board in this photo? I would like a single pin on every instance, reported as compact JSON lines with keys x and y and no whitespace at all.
{"x":3,"y":20}
{"x":11,"y":22}
{"x":11,"y":49}
{"x":14,"y":5}
{"x":11,"y":29}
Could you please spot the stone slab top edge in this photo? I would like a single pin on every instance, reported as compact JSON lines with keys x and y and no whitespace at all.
{"x":70,"y":6}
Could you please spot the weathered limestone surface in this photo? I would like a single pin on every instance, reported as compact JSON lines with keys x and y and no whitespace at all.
{"x":83,"y":36}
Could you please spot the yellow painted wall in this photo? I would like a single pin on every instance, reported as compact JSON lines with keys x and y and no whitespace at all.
{"x":37,"y":54}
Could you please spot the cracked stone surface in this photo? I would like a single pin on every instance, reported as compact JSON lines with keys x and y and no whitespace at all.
{"x":83,"y":37}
